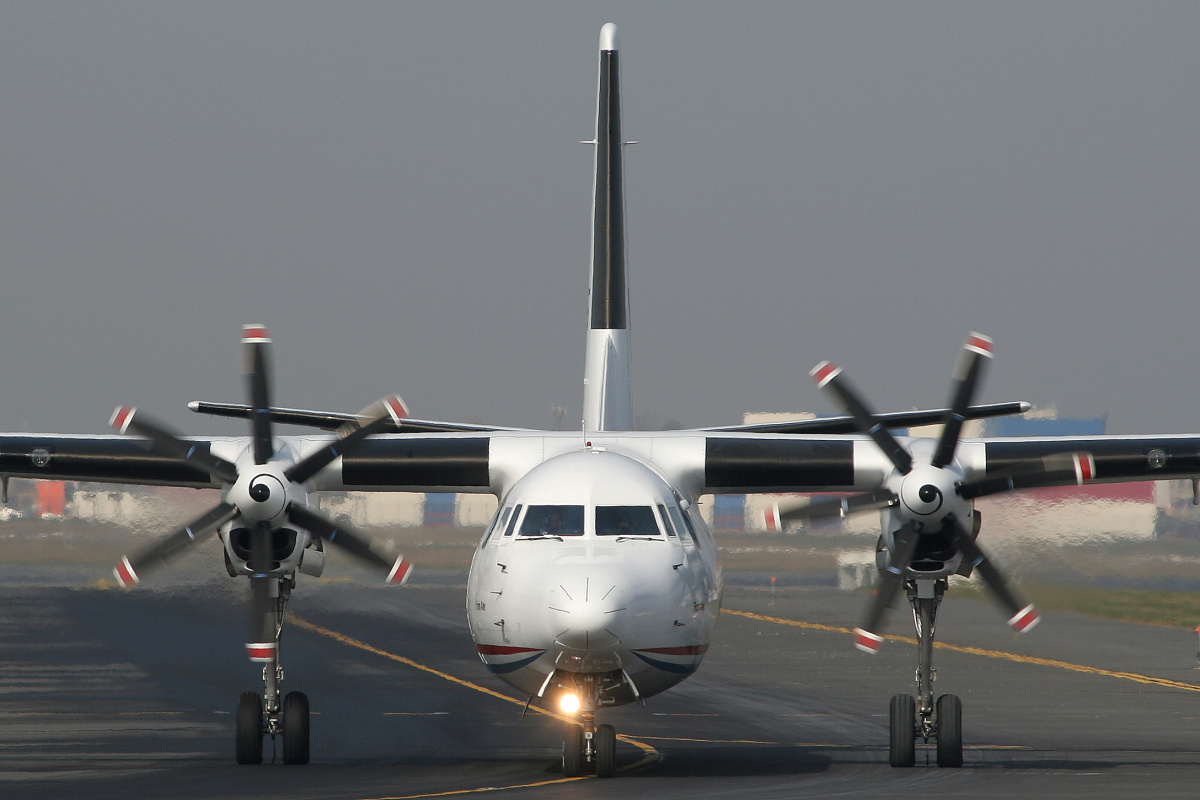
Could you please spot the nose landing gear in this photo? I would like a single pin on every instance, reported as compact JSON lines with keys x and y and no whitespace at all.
{"x":908,"y":718}
{"x":589,"y":748}
{"x":259,"y":715}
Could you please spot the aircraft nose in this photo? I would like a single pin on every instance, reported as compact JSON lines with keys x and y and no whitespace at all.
{"x":585,"y":612}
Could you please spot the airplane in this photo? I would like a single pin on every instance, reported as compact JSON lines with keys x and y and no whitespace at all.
{"x":597,"y":583}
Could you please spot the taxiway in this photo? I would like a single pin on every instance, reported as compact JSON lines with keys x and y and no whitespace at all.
{"x":113,"y":694}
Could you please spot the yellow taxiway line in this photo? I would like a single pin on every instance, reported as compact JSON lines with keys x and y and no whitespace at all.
{"x":649,"y":754}
{"x":979,"y":651}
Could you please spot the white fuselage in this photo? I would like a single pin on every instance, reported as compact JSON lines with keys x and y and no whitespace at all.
{"x":594,"y":566}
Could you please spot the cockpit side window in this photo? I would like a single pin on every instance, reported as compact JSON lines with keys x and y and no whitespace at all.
{"x":512,"y":523}
{"x":553,"y":521}
{"x":683,"y":523}
{"x":498,"y":523}
{"x":626,"y":521}
{"x":666,"y":520}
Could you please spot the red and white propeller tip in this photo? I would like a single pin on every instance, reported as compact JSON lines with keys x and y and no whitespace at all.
{"x":771,"y":518}
{"x":1085,"y":468}
{"x":824,"y":372}
{"x":400,"y":573}
{"x":121,"y":418}
{"x":124,"y":573}
{"x":261,"y":652}
{"x":866,"y":641}
{"x":395,"y":407}
{"x":1025,"y":619}
{"x":978,"y":343}
{"x":255,"y":334}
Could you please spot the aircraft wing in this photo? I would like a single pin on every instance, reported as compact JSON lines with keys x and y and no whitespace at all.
{"x":697,"y":462}
{"x":849,"y":463}
{"x":700,"y":462}
{"x":847,"y":424}
{"x":105,"y":459}
{"x":331,"y":420}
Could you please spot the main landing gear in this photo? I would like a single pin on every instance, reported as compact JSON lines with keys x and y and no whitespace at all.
{"x":264,"y":715}
{"x":911,"y":718}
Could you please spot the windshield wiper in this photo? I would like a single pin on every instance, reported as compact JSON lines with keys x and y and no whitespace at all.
{"x":541,"y":536}
{"x":639,"y":539}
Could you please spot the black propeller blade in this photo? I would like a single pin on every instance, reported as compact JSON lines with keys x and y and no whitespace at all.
{"x":373,"y":419}
{"x":254,"y":364}
{"x":967,"y":372}
{"x":1023,"y":616}
{"x":399,"y":568}
{"x":1056,"y":470}
{"x":165,"y":549}
{"x":890,"y":581}
{"x":128,"y":418}
{"x":829,"y":376}
{"x":840,"y":507}
{"x":261,"y":635}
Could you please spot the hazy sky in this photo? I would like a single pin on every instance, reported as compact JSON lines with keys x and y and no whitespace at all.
{"x":397,"y":190}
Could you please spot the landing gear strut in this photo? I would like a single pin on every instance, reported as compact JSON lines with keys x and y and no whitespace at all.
{"x":588,"y":747}
{"x":259,"y":715}
{"x":941,"y":721}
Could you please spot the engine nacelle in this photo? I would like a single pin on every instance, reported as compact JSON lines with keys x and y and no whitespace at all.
{"x":289,"y":548}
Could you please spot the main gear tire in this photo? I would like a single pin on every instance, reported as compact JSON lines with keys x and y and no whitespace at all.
{"x":295,"y":728}
{"x":902,"y":715}
{"x":249,"y":720}
{"x":949,"y":731}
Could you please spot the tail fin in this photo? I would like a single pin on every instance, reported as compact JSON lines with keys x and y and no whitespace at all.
{"x":606,"y":396}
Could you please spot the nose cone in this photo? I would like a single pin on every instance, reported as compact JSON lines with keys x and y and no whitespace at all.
{"x":585,"y":613}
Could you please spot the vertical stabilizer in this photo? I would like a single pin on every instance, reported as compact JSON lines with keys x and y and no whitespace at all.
{"x":606,"y":397}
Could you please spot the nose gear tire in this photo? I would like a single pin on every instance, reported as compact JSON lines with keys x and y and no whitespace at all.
{"x":605,"y":742}
{"x":572,"y":754}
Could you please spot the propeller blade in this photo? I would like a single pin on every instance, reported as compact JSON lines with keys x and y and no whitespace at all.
{"x":391,"y":408}
{"x":254,"y":364}
{"x":375,"y":418}
{"x":840,"y":506}
{"x":353,"y":542}
{"x":163,"y":550}
{"x":829,"y":376}
{"x":967,"y":373}
{"x":1023,"y":616}
{"x":1060,"y":469}
{"x":891,"y":580}
{"x":129,"y":419}
{"x":261,"y":560}
{"x":261,"y":641}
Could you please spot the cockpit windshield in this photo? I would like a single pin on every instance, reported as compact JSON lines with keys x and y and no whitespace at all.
{"x":626,"y":521}
{"x":553,"y":521}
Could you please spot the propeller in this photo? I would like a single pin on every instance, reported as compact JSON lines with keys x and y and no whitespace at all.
{"x":928,"y":492}
{"x":265,"y":489}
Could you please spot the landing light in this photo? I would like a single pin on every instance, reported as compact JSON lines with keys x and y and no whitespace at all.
{"x":569,"y":703}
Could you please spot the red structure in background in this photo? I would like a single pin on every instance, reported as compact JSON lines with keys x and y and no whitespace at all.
{"x":51,"y":498}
